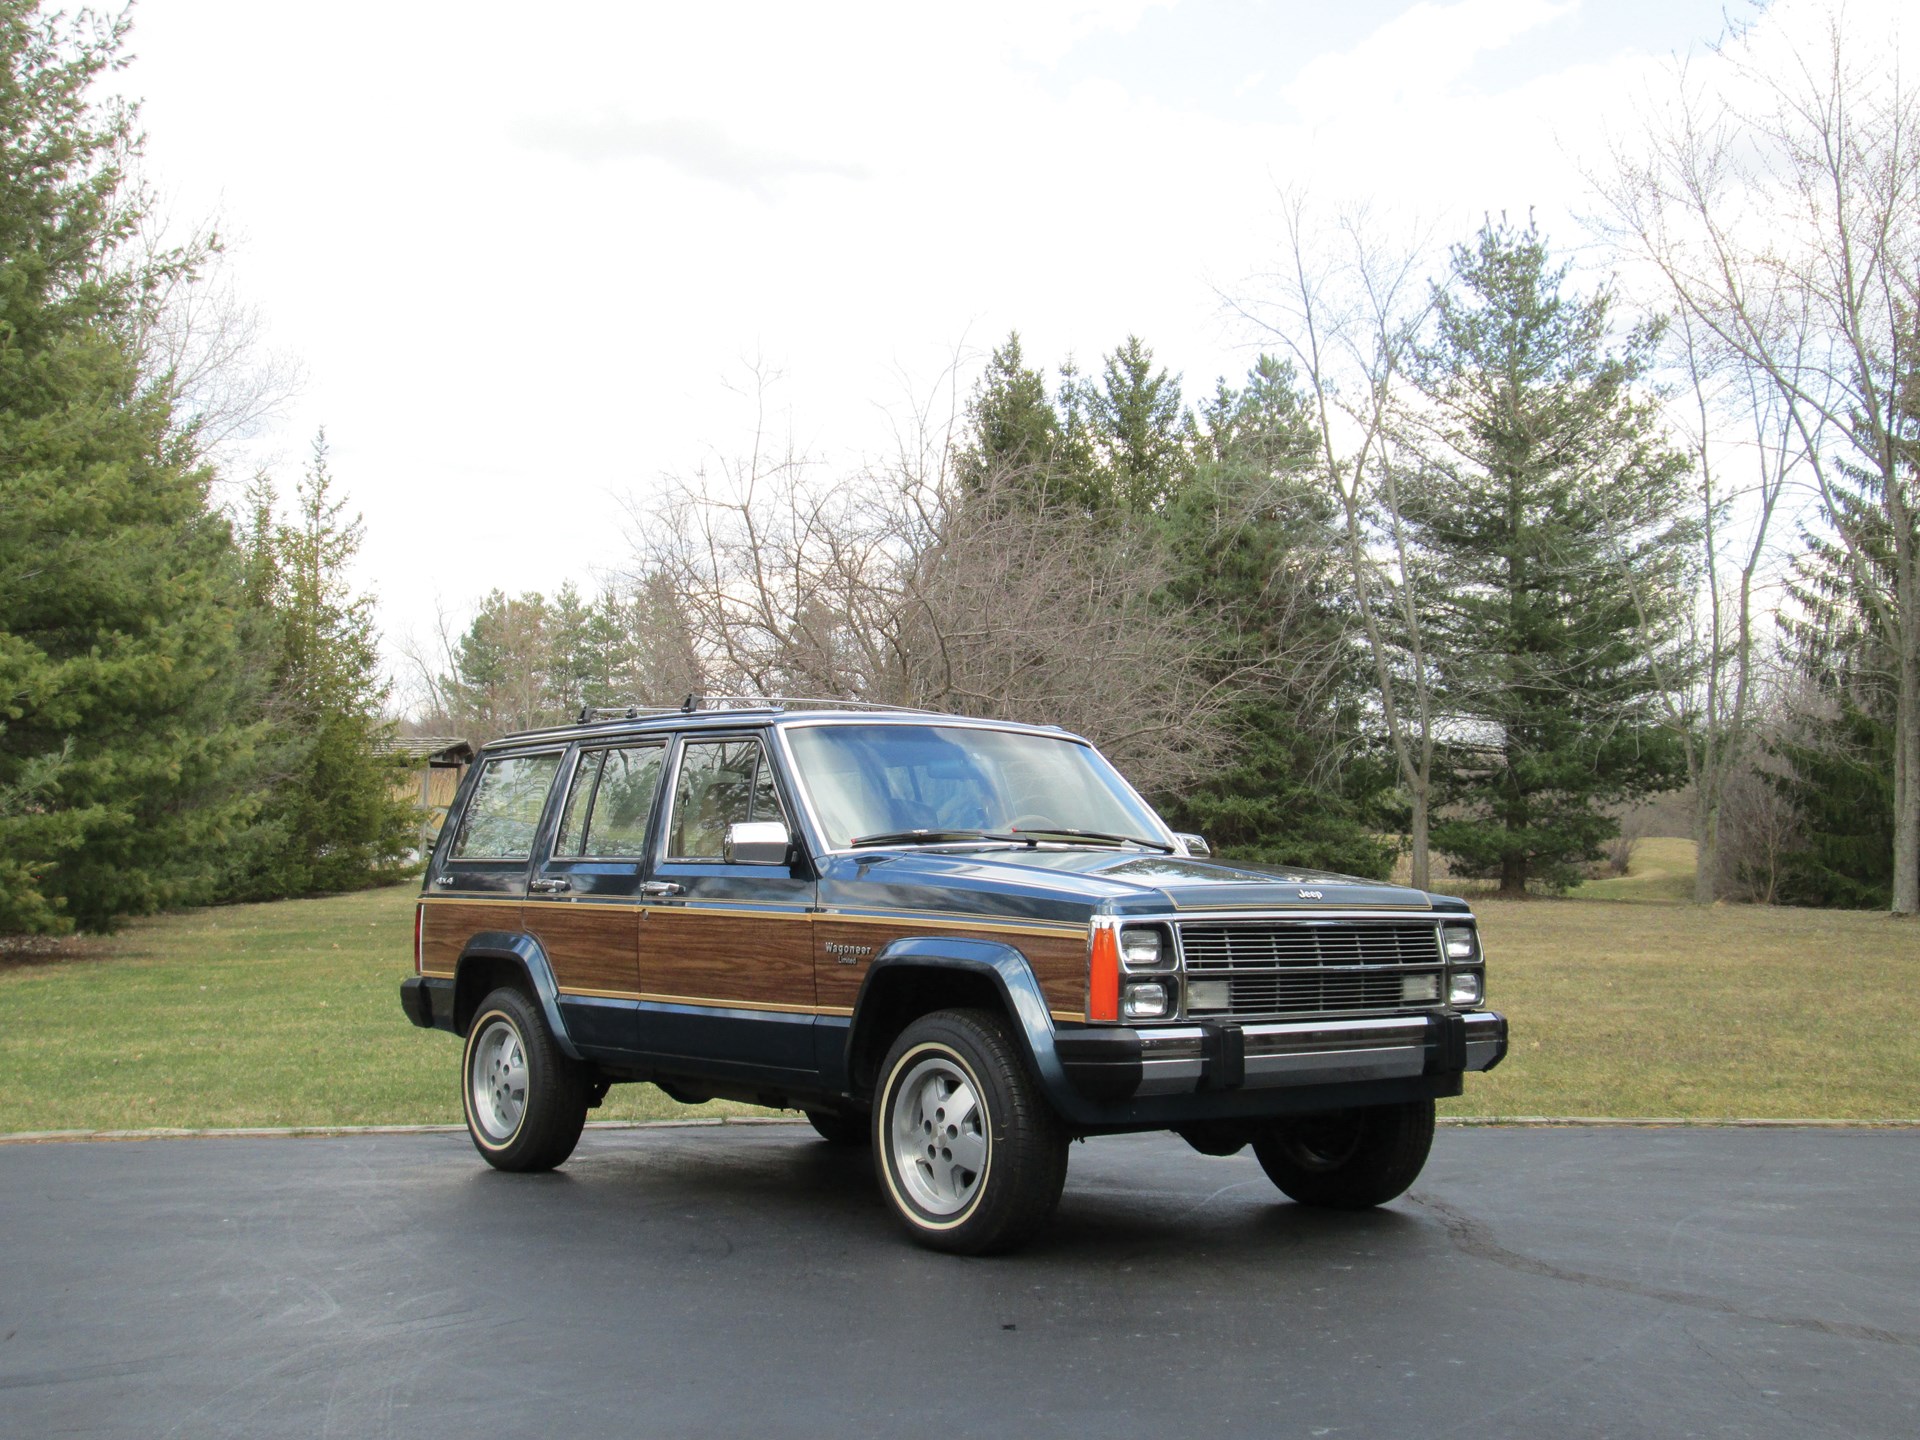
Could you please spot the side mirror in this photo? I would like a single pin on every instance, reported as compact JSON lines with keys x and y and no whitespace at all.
{"x":756,"y":842}
{"x":1196,"y":844}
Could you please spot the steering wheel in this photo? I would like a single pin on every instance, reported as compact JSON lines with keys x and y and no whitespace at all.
{"x":1033,"y":821}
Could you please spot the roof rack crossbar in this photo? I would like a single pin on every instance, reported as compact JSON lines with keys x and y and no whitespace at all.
{"x":589,"y":714}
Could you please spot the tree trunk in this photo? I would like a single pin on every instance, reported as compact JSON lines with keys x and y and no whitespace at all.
{"x":1422,"y":863}
{"x":1705,"y":853}
{"x":1906,"y":715}
{"x":1906,"y":793}
{"x":1513,"y":877}
{"x":1706,"y":844}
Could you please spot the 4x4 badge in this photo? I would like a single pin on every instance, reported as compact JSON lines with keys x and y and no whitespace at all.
{"x":1311,"y":895}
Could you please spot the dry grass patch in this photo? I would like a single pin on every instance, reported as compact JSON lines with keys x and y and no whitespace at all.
{"x":289,"y":1014}
{"x":1728,"y":1010}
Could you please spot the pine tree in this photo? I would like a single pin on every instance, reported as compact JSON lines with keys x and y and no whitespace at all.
{"x":1012,"y":433}
{"x":1254,"y":545}
{"x":124,"y":760}
{"x":500,"y":681}
{"x":335,"y":817}
{"x":1546,"y":519}
{"x":1140,"y":430}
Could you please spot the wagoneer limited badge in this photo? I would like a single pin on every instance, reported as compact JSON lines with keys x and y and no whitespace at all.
{"x":847,"y":954}
{"x":1311,"y":895}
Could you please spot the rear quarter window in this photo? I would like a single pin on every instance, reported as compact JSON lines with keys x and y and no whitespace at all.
{"x":504,"y":812}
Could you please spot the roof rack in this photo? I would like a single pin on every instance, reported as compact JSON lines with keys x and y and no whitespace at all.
{"x":693,"y":704}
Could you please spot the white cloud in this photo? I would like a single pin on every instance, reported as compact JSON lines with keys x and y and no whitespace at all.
{"x":520,"y":249}
{"x":1418,"y":56}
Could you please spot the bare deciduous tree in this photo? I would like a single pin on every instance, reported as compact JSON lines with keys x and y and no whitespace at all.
{"x":1744,"y":447}
{"x":203,"y":345}
{"x":1346,"y":308}
{"x":900,"y":586}
{"x":1778,"y":198}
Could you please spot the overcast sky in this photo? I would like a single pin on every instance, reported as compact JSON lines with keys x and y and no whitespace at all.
{"x":526,"y":253}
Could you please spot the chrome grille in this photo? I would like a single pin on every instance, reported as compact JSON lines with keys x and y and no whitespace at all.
{"x":1312,"y":967}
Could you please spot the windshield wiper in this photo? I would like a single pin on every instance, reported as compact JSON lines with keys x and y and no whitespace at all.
{"x":937,"y":837}
{"x":1052,"y":830}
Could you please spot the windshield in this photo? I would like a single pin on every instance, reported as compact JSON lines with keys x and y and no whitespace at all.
{"x":869,"y":781}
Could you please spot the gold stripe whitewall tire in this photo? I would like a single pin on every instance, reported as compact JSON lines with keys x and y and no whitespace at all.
{"x":970,"y":1156}
{"x":524,"y":1101}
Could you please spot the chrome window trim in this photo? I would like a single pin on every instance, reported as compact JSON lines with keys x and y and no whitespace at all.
{"x":818,"y":834}
{"x":580,"y":754}
{"x":681,"y":740}
{"x":480,"y":763}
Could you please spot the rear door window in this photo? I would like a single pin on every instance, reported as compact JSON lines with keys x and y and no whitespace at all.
{"x":504,"y":812}
{"x":610,"y":803}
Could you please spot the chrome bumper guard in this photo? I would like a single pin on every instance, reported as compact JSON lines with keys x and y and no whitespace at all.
{"x":1180,"y":1059}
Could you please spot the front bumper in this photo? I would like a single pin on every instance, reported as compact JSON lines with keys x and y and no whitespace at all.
{"x":1110,"y":1063}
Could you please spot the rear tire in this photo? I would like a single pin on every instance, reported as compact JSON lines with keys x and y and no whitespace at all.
{"x":1348,"y":1159}
{"x":969,"y":1154}
{"x":525,"y":1102}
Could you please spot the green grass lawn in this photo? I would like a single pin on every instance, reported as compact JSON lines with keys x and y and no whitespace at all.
{"x":282,"y":1014}
{"x":289,"y":1014}
{"x":1661,"y":869}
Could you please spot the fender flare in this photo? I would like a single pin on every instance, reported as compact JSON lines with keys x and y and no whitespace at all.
{"x":523,"y":950}
{"x":1005,"y":967}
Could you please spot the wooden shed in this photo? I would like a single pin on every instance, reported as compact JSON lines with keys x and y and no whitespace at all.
{"x":438,"y":762}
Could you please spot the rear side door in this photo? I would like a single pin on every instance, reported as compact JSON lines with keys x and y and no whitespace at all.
{"x":480,"y":881}
{"x":726,"y":956}
{"x":583,"y":904}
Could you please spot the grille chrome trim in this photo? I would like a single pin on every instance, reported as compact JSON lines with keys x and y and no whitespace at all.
{"x":1312,"y":965}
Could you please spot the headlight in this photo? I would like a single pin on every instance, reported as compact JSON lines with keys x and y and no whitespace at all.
{"x":1145,"y":949}
{"x":1149,"y":1001}
{"x":1465,"y":989}
{"x":1461,"y":943}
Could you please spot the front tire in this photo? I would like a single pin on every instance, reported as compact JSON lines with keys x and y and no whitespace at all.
{"x":1348,"y":1159}
{"x":525,"y":1102}
{"x":837,"y":1129}
{"x":970,"y":1156}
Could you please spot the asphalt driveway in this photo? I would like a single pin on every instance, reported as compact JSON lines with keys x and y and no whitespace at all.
{"x":745,"y":1281}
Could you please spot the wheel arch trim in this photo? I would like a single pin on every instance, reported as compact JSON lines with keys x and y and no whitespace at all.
{"x":1004,"y":967}
{"x":522,"y":951}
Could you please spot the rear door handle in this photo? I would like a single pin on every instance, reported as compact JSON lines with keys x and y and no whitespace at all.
{"x":550,"y":887}
{"x":662,"y":887}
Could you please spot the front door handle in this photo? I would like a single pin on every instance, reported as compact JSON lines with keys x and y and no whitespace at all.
{"x":662,"y":887}
{"x":550,"y":887}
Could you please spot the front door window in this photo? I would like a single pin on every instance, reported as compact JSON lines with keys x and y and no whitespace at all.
{"x":722,"y":783}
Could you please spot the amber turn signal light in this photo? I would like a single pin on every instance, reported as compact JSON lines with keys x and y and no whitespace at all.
{"x":1103,"y":975}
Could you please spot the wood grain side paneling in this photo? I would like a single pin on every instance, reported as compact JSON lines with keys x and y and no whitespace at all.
{"x":591,"y":947}
{"x":728,"y":956}
{"x":1060,"y":964}
{"x":1059,"y":961}
{"x":447,"y":925}
{"x":838,"y":977}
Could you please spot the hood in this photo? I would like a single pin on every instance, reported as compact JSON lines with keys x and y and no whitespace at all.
{"x":1129,"y":881}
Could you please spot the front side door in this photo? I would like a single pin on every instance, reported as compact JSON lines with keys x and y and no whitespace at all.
{"x":726,"y":957}
{"x":480,"y":881}
{"x":583,"y":902}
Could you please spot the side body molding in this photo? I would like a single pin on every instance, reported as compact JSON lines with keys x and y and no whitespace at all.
{"x":1002,"y":965}
{"x":523,"y":950}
